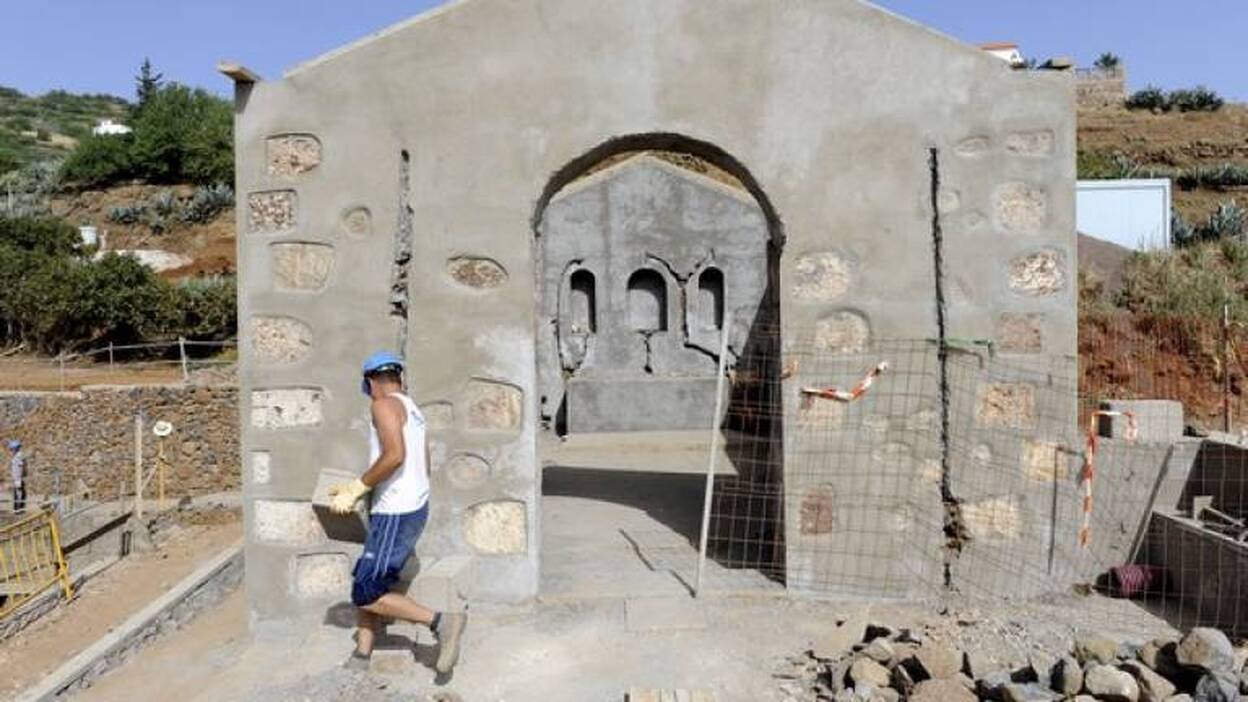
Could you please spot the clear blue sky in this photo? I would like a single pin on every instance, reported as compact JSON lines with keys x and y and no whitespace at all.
{"x":97,"y":45}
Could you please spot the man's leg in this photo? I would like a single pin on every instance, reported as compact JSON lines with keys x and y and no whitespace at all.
{"x":392,"y":604}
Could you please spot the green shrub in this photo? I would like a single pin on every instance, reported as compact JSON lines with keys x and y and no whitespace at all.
{"x":184,"y":135}
{"x":1229,"y":221}
{"x":126,"y":214}
{"x":46,"y":235}
{"x":1198,"y":99}
{"x":1150,"y":98}
{"x":100,"y":160}
{"x":206,"y":203}
{"x":1223,"y":177}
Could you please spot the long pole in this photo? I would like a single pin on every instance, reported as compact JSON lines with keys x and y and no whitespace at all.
{"x":182,"y":352}
{"x":138,"y":465}
{"x":1226,"y":368}
{"x":714,"y":456}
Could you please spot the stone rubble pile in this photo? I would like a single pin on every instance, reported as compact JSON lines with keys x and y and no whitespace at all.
{"x":890,"y":665}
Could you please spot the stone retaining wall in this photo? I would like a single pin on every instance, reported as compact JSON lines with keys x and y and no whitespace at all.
{"x":89,"y":436}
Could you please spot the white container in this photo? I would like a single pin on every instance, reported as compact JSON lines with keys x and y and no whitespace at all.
{"x":90,"y":237}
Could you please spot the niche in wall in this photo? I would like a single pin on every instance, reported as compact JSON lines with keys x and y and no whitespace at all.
{"x":709,"y":312}
{"x":647,"y":301}
{"x":583,"y":302}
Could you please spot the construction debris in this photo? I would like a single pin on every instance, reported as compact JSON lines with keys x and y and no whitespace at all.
{"x":891,"y":666}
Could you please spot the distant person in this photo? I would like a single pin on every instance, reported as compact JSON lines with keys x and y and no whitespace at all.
{"x":398,"y":476}
{"x":17,"y":473}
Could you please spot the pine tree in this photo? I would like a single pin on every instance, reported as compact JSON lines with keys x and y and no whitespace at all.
{"x":147,"y":83}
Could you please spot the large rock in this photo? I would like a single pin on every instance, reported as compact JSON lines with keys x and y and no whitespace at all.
{"x":942,"y":690}
{"x":865,"y":670}
{"x":936,"y":662}
{"x":1217,"y":687}
{"x":1096,"y":648}
{"x":1153,"y":687}
{"x":880,"y":651}
{"x":1159,"y":654}
{"x":1028,"y":692}
{"x":1110,"y":684}
{"x":1067,"y":676}
{"x":1206,"y":648}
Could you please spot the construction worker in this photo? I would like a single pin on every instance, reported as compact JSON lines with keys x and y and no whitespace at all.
{"x":17,"y":472}
{"x":398,"y":477}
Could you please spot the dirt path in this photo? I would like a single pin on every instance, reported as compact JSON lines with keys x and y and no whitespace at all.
{"x":106,"y":600}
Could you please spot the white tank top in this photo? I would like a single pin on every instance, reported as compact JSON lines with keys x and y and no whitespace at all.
{"x":407,"y":488}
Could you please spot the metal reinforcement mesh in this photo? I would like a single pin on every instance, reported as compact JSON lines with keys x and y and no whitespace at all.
{"x":901,"y":469}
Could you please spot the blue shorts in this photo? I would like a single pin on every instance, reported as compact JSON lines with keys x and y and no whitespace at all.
{"x":391,"y":538}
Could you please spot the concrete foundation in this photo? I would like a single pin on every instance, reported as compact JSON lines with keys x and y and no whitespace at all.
{"x":409,"y":190}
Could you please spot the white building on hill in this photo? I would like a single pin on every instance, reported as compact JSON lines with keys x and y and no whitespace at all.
{"x":108,"y":126}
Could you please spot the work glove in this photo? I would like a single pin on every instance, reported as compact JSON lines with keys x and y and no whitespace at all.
{"x":342,"y":497}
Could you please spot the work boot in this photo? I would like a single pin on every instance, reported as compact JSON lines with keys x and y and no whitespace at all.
{"x":357,"y":662}
{"x":448,"y":632}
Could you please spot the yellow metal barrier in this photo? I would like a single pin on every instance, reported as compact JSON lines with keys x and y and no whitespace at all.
{"x":31,"y":560}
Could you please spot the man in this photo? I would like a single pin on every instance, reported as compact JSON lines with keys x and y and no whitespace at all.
{"x":17,"y":472}
{"x":398,"y":477}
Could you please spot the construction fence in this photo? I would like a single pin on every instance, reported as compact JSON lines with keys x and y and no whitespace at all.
{"x":31,"y":560}
{"x":169,"y":362}
{"x":914,"y":469}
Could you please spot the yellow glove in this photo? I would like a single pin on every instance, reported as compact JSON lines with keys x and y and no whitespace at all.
{"x":344,"y":496}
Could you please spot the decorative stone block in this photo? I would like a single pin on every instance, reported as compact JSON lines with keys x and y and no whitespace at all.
{"x":499,"y":527}
{"x":280,"y":339}
{"x":1038,"y":274}
{"x":467,"y":470}
{"x":286,"y":522}
{"x":475,"y":272}
{"x":975,"y":146}
{"x":993,"y":519}
{"x":357,"y":222}
{"x":1021,"y":208}
{"x":842,"y":332}
{"x":260,"y":467}
{"x":292,"y":154}
{"x":285,"y":408}
{"x":439,"y":416}
{"x":1037,"y":142}
{"x":817,"y":514}
{"x":271,"y":211}
{"x":493,"y":406}
{"x":1006,"y":405}
{"x":1043,"y":461}
{"x":322,"y":575}
{"x":821,"y":277}
{"x":1020,"y":333}
{"x":301,"y":266}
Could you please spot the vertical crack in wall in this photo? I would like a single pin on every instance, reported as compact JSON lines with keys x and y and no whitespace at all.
{"x":645,"y":340}
{"x":400,"y":294}
{"x":955,"y":532}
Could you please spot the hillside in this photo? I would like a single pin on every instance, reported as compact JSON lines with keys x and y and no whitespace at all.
{"x":1126,"y":143}
{"x":48,"y":126}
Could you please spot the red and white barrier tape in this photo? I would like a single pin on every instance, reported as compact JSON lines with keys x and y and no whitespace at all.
{"x":850,"y":395}
{"x":1089,"y":466}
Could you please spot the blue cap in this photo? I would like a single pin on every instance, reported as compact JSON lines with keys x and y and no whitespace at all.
{"x":382,"y":360}
{"x":14,"y":444}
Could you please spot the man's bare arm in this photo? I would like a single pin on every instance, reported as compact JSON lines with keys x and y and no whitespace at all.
{"x":388,"y":417}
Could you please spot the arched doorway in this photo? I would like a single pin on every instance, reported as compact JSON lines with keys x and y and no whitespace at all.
{"x":647,"y":250}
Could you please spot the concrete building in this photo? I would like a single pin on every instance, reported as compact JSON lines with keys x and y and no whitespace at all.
{"x":111,"y":128}
{"x":554,"y":208}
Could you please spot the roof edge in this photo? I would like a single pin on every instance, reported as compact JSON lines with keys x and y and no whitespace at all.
{"x":332,"y":54}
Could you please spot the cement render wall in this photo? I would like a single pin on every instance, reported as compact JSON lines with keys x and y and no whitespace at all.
{"x":833,"y":107}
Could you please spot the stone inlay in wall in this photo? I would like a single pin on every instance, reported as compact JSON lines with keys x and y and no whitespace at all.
{"x":1020,"y":333}
{"x":439,"y":416}
{"x":1038,"y":274}
{"x":1009,"y":405}
{"x":261,"y":462}
{"x":1037,"y":142}
{"x":498,"y":527}
{"x":322,"y":575}
{"x":1021,"y":208}
{"x":292,"y":154}
{"x":301,"y":266}
{"x":280,"y":339}
{"x":284,"y":408}
{"x":974,"y":146}
{"x":993,"y":519}
{"x":271,"y":211}
{"x":817,"y":514}
{"x":493,"y":406}
{"x":287,"y":522}
{"x":842,"y":332}
{"x":467,"y":470}
{"x":357,"y":222}
{"x":476,"y":272}
{"x":821,"y":277}
{"x":1043,"y":462}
